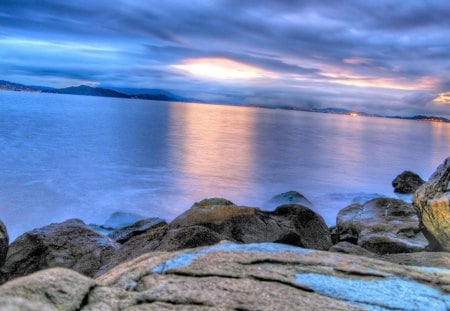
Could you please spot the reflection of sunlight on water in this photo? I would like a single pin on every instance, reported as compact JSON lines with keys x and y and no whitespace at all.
{"x":440,"y":138}
{"x":214,"y":151}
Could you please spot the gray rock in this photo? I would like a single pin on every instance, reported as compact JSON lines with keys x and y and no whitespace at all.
{"x":424,"y":259}
{"x":266,"y":276}
{"x":4,"y":241}
{"x":53,"y":289}
{"x":290,"y":197}
{"x":432,"y":201}
{"x":70,"y":244}
{"x":124,"y":234}
{"x":407,"y":182}
{"x":382,"y":226}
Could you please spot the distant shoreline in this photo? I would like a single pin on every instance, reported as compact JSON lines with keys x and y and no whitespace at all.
{"x":162,"y":95}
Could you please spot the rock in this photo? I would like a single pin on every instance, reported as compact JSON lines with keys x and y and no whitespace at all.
{"x":290,"y":224}
{"x":137,"y":245}
{"x":212,"y":220}
{"x":52,"y":289}
{"x":352,"y":249}
{"x":120,"y":220}
{"x":4,"y":241}
{"x":263,"y":276}
{"x":407,"y":182}
{"x":124,"y":234}
{"x":290,"y":197}
{"x":432,"y":201}
{"x":428,"y":259}
{"x":382,"y":226}
{"x":70,"y":244}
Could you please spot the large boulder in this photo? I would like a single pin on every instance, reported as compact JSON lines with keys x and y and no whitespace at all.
{"x":432,"y":201}
{"x":407,"y":182}
{"x":70,"y":244}
{"x":212,"y":220}
{"x":382,"y":226}
{"x":4,"y":241}
{"x":291,"y":223}
{"x":227,"y":276}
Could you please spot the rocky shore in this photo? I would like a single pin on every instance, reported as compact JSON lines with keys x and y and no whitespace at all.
{"x":384,"y":254}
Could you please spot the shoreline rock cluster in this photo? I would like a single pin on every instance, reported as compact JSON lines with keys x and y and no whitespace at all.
{"x":218,"y":243}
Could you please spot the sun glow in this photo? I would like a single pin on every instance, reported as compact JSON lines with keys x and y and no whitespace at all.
{"x":443,"y":98}
{"x":221,"y":68}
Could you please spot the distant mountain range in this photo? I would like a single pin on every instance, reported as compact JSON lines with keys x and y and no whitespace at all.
{"x":92,"y":91}
{"x":344,"y":111}
{"x":157,"y":94}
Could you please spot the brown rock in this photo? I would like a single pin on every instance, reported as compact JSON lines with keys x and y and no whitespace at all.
{"x":266,"y":276}
{"x":53,"y":289}
{"x":70,"y":244}
{"x":428,"y":259}
{"x":432,"y":201}
{"x":382,"y":226}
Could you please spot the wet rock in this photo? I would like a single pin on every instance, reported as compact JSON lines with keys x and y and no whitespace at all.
{"x":124,"y":234}
{"x":264,"y":276}
{"x":52,"y":289}
{"x":4,"y":241}
{"x":137,"y":245}
{"x":212,"y":220}
{"x":290,"y":197}
{"x":70,"y":244}
{"x":432,"y":201}
{"x":382,"y":226}
{"x":407,"y":182}
{"x":290,"y":224}
{"x":119,"y":220}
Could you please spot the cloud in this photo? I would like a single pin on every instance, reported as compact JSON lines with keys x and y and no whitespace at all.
{"x":368,"y":54}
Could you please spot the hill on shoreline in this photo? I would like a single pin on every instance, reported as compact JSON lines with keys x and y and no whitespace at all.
{"x":162,"y":95}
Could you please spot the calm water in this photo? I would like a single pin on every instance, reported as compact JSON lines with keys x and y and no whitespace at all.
{"x":68,"y":156}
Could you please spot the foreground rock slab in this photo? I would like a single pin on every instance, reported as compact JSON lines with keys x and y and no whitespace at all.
{"x":70,"y":244}
{"x":261,"y":276}
{"x":382,"y":226}
{"x":432,"y":201}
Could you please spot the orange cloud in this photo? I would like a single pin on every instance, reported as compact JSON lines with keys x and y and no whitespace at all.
{"x":442,"y":98}
{"x":222,"y":69}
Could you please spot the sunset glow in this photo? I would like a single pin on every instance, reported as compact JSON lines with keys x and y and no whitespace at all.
{"x":443,"y":98}
{"x":220,"y":68}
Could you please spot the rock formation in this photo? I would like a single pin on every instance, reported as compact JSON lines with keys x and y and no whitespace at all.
{"x":432,"y":201}
{"x":70,"y":244}
{"x":263,"y":276}
{"x":382,"y":226}
{"x":407,"y":182}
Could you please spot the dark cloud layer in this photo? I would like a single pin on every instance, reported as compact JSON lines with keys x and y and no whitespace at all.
{"x":378,"y":56}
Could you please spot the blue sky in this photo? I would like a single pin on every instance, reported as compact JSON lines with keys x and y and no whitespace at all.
{"x":389,"y":57}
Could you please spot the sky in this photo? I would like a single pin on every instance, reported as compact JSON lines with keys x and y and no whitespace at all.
{"x":387,"y":57}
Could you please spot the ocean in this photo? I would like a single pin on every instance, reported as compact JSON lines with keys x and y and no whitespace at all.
{"x":67,"y":156}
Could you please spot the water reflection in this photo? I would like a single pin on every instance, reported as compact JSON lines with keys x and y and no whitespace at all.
{"x":213,"y":149}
